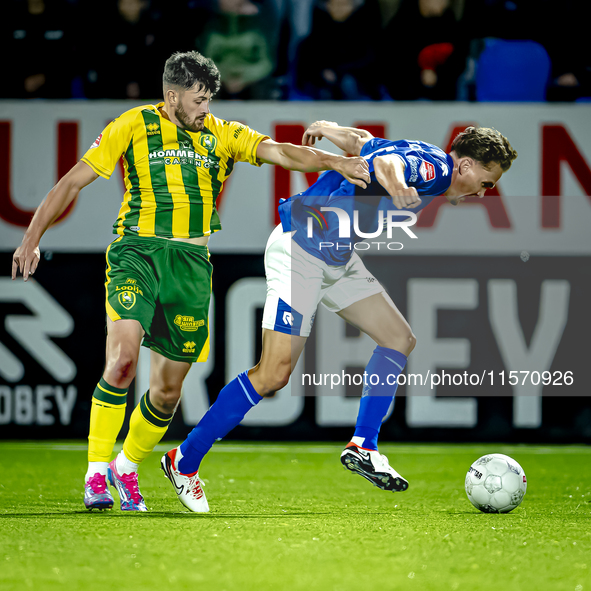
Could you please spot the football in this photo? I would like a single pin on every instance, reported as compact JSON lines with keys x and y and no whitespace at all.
{"x":495,"y":483}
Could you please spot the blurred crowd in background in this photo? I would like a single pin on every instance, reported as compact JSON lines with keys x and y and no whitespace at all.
{"x":475,"y":50}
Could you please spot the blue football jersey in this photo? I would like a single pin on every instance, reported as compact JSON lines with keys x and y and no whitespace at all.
{"x":427,"y":168}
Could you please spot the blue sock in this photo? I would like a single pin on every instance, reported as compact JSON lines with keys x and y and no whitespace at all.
{"x":376,"y":400}
{"x":233,"y":402}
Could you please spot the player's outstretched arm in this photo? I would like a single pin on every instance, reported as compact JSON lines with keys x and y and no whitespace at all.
{"x":349,"y":139}
{"x":389,"y":171}
{"x":26,"y":256}
{"x":305,"y":159}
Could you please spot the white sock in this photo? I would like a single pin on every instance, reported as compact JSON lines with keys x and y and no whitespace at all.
{"x":96,"y":468}
{"x":358,"y":441}
{"x":123,"y":465}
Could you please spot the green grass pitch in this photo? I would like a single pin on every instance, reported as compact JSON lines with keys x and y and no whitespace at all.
{"x":288,"y":517}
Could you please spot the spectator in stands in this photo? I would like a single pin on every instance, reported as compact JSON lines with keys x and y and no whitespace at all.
{"x":37,"y":45}
{"x":563,"y":35}
{"x":559,"y":30}
{"x":337,"y":61}
{"x":242,"y":37}
{"x":124,"y":48}
{"x":430,"y":51}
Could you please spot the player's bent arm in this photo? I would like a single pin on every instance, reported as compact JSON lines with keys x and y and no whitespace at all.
{"x":389,"y":171}
{"x":26,"y":256}
{"x":349,"y":139}
{"x":306,"y":159}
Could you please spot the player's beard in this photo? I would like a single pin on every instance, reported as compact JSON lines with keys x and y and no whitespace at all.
{"x":183,"y":118}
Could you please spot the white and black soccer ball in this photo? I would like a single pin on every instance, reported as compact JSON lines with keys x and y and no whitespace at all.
{"x":495,"y":483}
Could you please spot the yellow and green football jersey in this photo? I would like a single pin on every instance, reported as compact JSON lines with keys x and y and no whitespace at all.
{"x":172,"y":176}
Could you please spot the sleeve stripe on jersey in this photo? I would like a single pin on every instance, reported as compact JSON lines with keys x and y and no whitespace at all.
{"x":253,"y":151}
{"x":98,"y":169}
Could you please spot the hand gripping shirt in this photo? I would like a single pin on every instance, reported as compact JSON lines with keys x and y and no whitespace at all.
{"x":172,"y":176}
{"x":427,"y":168}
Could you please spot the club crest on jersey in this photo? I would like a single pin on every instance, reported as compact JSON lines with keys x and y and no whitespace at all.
{"x":97,"y":142}
{"x":208,"y":141}
{"x":427,"y":171}
{"x":127,"y":299}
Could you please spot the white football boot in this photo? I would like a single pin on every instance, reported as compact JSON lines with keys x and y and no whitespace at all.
{"x":188,"y":487}
{"x":373,"y":466}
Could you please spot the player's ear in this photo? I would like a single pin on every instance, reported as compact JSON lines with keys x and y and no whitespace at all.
{"x":465,"y":165}
{"x":172,"y":96}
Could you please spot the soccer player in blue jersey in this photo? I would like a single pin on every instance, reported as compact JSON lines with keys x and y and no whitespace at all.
{"x":305,"y":268}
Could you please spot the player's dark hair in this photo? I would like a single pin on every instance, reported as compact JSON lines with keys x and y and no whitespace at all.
{"x":184,"y":70}
{"x":485,"y":145}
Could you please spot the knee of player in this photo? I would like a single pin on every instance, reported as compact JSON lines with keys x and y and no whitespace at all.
{"x":268,"y":378}
{"x":404,"y":341}
{"x":281,"y":377}
{"x":411,"y":342}
{"x":165,"y":399}
{"x":408,"y":341}
{"x":275,"y":382}
{"x":122,"y":370}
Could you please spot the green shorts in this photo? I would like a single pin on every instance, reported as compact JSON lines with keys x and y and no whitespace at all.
{"x":166,"y":286}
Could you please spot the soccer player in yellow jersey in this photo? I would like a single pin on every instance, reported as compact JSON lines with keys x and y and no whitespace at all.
{"x":176,"y":156}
